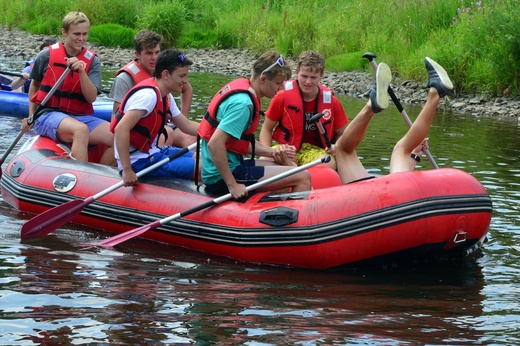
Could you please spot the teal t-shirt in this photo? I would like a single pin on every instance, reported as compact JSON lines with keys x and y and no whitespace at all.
{"x":234,"y":115}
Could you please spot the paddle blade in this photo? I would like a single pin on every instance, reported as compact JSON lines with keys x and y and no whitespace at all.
{"x":52,"y":219}
{"x":115,"y":240}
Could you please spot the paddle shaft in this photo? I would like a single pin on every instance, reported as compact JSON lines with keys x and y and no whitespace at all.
{"x":323,"y":134}
{"x":36,"y":113}
{"x":115,"y":240}
{"x":316,"y":119}
{"x":371,"y":59}
{"x":105,"y":91}
{"x":56,"y":217}
{"x":147,"y":170}
{"x":11,"y":74}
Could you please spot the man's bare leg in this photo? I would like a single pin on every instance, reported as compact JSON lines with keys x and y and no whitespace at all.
{"x":440,"y":85}
{"x":349,"y":166}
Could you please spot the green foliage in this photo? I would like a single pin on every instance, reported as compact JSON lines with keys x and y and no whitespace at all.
{"x":346,"y":62}
{"x":487,"y":37}
{"x":123,"y":12}
{"x":476,"y":41}
{"x":112,"y":35}
{"x":44,"y":26}
{"x":13,"y":14}
{"x":165,"y":17}
{"x":197,"y":38}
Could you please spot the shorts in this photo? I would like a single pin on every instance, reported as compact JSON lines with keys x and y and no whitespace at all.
{"x":247,"y":173}
{"x":47,"y":124}
{"x":309,"y":153}
{"x":181,"y":167}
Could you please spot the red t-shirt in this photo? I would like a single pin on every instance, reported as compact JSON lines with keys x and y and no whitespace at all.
{"x":311,"y":134}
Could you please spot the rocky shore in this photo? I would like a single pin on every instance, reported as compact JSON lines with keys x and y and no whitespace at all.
{"x":24,"y":46}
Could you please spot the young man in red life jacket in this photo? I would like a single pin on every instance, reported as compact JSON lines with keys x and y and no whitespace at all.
{"x":147,"y":45}
{"x":228,"y":130}
{"x":141,"y":118}
{"x":67,"y":115}
{"x":408,"y":150}
{"x":287,"y":120}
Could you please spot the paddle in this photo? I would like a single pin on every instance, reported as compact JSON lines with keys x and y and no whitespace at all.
{"x":35,"y":115}
{"x":105,"y":91}
{"x":115,"y":240}
{"x":316,"y":119}
{"x":56,"y":217}
{"x":11,"y":74}
{"x":371,"y":56}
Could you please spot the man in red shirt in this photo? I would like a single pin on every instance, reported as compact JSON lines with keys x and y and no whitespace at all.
{"x":288,"y":118}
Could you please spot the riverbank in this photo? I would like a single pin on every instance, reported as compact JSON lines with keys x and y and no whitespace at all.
{"x":24,"y":46}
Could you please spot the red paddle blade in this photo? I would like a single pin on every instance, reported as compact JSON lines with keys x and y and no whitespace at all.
{"x":52,"y":219}
{"x":117,"y":239}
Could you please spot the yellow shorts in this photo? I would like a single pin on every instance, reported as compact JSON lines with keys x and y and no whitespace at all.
{"x":308,"y":153}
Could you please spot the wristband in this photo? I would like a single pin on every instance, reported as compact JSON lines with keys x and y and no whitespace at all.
{"x":415,"y":157}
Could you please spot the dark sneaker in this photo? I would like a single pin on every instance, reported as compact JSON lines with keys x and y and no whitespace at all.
{"x":379,"y":93}
{"x":438,"y":78}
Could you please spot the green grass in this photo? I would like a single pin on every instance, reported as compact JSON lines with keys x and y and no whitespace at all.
{"x":112,"y":35}
{"x":476,"y":41}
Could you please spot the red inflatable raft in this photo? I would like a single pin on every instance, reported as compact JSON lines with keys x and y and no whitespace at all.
{"x":419,"y":214}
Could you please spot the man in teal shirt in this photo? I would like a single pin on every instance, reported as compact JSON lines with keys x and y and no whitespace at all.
{"x":228,"y":131}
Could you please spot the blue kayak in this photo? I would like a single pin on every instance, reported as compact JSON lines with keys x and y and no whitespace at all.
{"x":16,"y":103}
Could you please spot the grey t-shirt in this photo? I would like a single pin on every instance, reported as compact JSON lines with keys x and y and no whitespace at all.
{"x":122,"y":84}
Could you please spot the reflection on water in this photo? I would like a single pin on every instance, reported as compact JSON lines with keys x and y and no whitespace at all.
{"x":53,"y":291}
{"x":149,"y":293}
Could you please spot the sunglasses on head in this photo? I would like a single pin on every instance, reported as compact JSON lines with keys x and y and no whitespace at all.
{"x":280,"y":62}
{"x":181,"y":57}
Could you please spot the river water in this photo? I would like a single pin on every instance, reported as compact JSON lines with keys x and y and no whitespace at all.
{"x":54,"y":292}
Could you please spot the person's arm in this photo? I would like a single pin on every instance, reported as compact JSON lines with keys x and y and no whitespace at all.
{"x":186,"y":125}
{"x":186,"y":98}
{"x":19,"y":81}
{"x":115,"y":107}
{"x":89,"y":90}
{"x":284,"y":154}
{"x":266,"y":133}
{"x":33,"y":88}
{"x":273,"y":116}
{"x":338,"y":132}
{"x":122,"y":84}
{"x":340,"y":121}
{"x":122,"y":142}
{"x":217,"y":149}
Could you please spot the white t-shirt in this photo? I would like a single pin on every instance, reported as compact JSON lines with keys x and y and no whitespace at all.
{"x":145,"y":100}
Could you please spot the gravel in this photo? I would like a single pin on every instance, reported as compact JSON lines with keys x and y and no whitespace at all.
{"x":24,"y":46}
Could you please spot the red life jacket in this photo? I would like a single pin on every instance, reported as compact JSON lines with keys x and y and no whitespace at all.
{"x":209,"y":123}
{"x":149,"y":127}
{"x":68,"y":97}
{"x":290,"y":128}
{"x":136,"y":72}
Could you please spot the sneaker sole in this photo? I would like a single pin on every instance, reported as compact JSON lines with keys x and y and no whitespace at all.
{"x":441,"y":72}
{"x":383,"y":79}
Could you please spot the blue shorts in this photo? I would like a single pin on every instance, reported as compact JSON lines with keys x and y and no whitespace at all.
{"x":247,"y":173}
{"x":47,"y":124}
{"x":182,"y":167}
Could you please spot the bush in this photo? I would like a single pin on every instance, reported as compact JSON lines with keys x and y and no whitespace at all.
{"x":121,"y":12}
{"x":44,"y":27}
{"x":112,"y":35}
{"x":165,"y":18}
{"x":346,"y":62}
{"x":476,"y":41}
